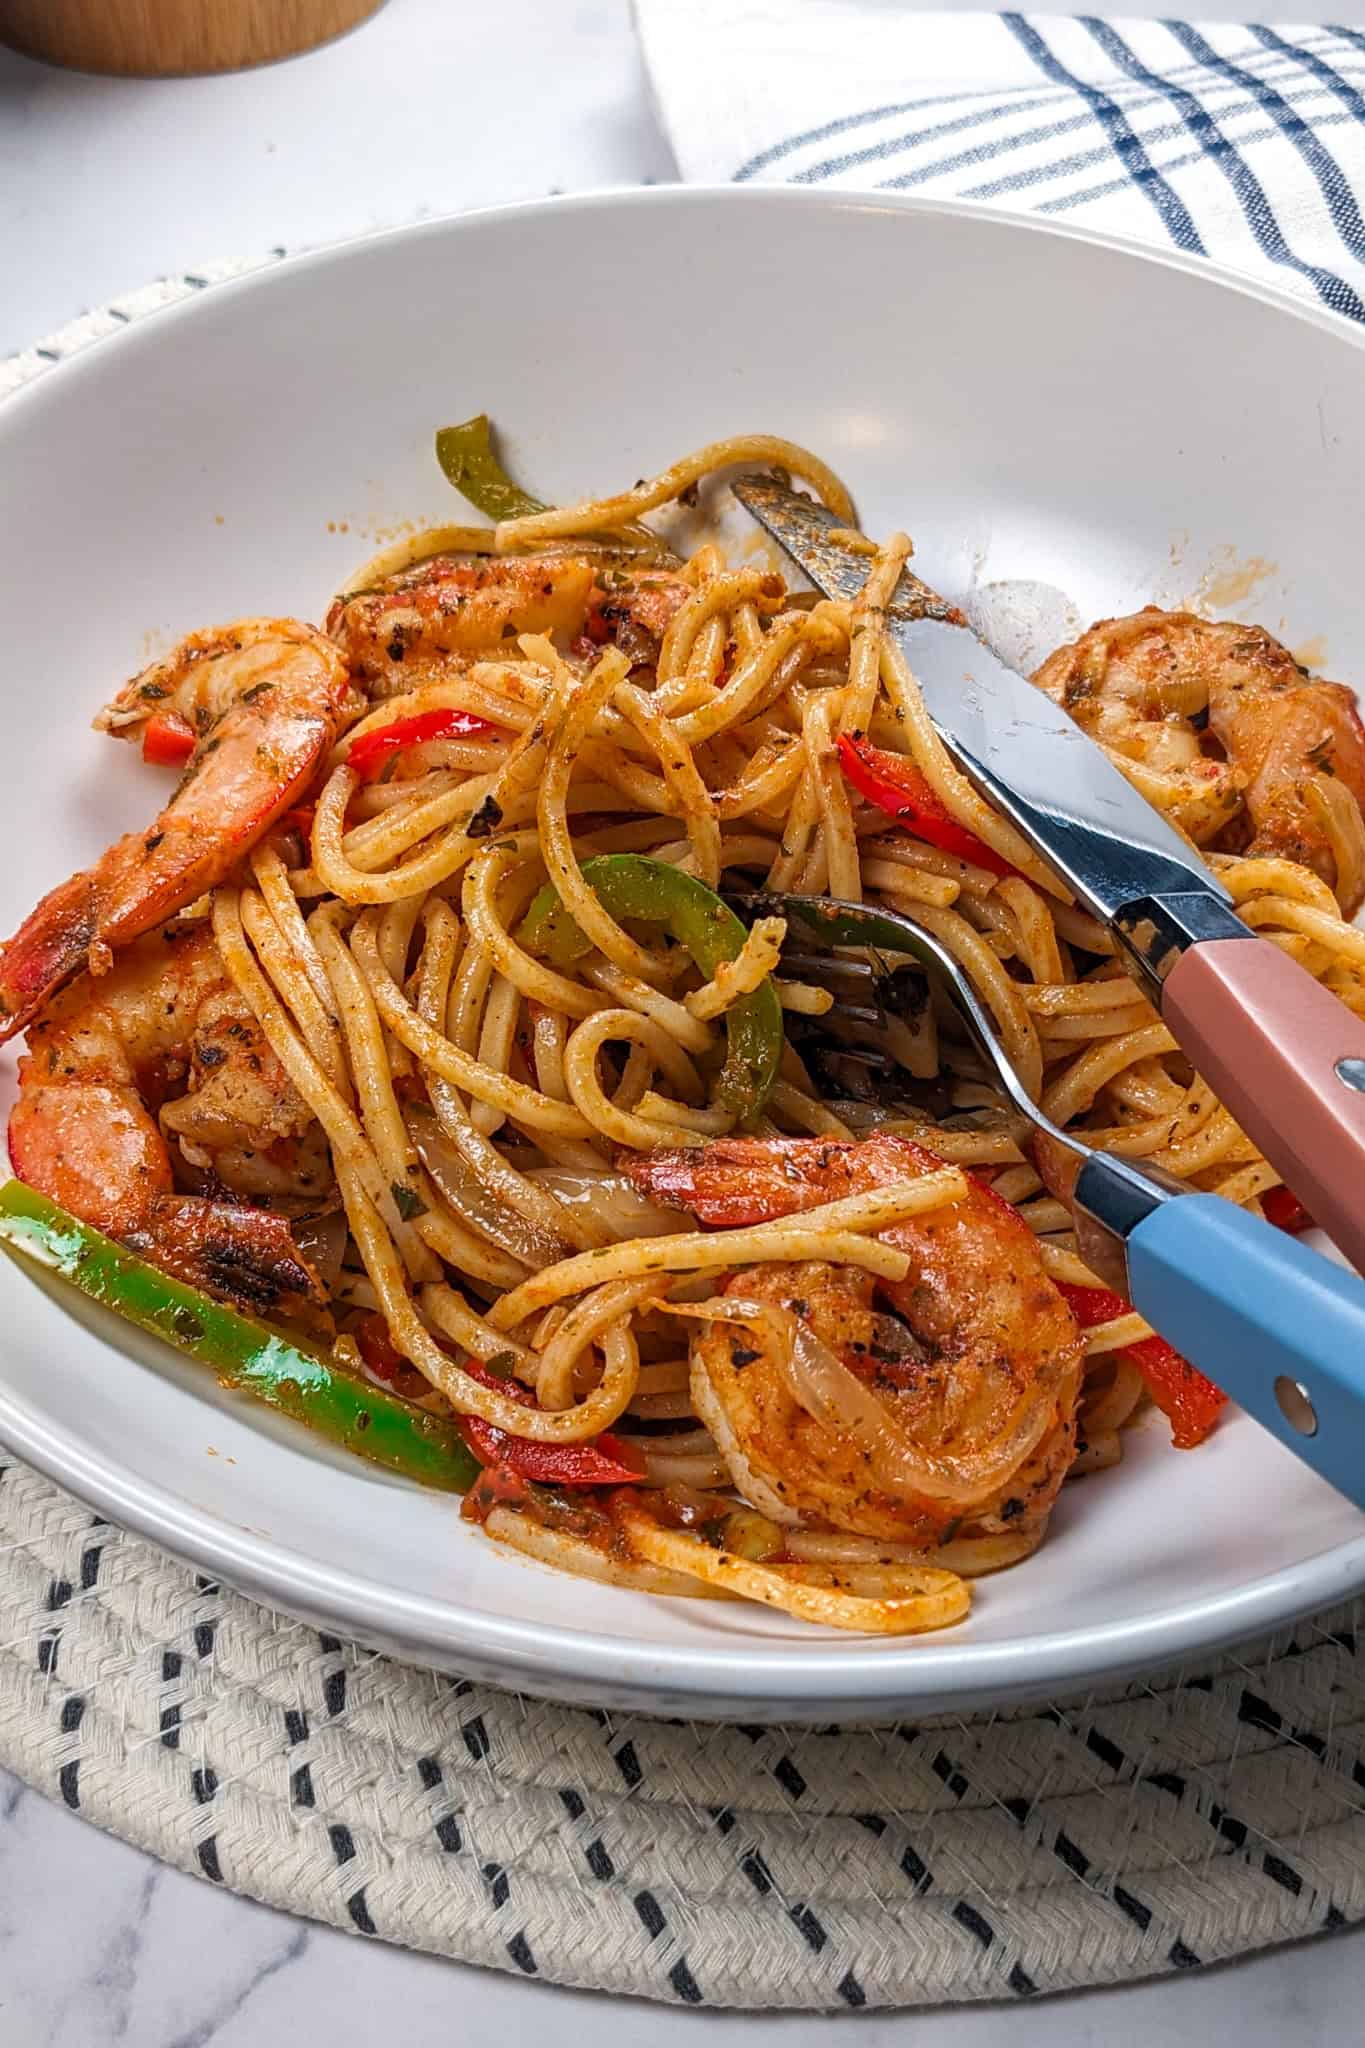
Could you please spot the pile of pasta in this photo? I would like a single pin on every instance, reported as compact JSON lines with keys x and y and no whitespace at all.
{"x":475,"y":1096}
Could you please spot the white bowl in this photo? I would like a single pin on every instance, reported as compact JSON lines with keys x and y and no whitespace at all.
{"x":1036,"y":406}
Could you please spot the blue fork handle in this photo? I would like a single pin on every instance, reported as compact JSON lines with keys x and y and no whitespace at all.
{"x":1262,"y":1316}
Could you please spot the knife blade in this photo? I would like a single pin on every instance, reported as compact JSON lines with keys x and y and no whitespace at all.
{"x":1022,"y":751}
{"x":1282,"y":1053}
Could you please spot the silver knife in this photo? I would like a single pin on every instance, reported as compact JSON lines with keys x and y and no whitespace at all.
{"x":1283,"y":1053}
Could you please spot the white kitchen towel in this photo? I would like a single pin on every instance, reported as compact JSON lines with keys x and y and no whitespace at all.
{"x":1242,"y":144}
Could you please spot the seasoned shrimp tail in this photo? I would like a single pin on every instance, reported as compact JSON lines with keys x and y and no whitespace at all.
{"x":52,"y":943}
{"x":734,"y":1182}
{"x":263,"y":701}
{"x":243,"y":1255}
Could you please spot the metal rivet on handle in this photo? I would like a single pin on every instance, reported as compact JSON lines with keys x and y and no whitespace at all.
{"x":1352,"y":1072}
{"x":1296,"y":1406}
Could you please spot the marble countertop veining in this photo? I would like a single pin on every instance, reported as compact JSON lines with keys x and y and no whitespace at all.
{"x":99,"y":1945}
{"x":104,"y":184}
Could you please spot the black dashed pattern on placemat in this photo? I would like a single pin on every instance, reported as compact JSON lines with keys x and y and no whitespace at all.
{"x":993,"y":1857}
{"x":1159,"y":1826}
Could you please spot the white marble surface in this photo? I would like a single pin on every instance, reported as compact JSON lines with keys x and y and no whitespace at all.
{"x":433,"y":106}
{"x":101,"y":1946}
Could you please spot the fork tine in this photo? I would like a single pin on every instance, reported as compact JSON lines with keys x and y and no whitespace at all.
{"x":827,"y":928}
{"x":852,"y":983}
{"x":866,"y":989}
{"x":819,"y":966}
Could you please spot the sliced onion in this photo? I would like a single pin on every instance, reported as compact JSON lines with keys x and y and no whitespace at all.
{"x":844,"y":1404}
{"x":615,"y":1201}
{"x":473,"y":1203}
{"x":322,"y":1240}
{"x":1339,"y":813}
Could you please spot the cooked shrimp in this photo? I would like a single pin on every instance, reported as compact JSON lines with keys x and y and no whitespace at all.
{"x":1288,"y":778}
{"x":85,"y":1129}
{"x":266,"y":698}
{"x":956,"y":1413}
{"x":409,"y":631}
{"x":633,"y":608}
{"x":1302,"y":746}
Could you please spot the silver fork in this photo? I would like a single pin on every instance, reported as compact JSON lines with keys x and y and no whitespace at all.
{"x":1111,"y":1195}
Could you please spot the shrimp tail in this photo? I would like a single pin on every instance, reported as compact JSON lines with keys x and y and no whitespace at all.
{"x":51,"y":945}
{"x":714,"y":1189}
{"x":242,"y":1255}
{"x":726,"y":1185}
{"x":92,"y":1151}
{"x":734,"y":1182}
{"x":1057,"y":1166}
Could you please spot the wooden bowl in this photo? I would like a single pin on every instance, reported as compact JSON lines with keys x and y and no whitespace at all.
{"x":170,"y":38}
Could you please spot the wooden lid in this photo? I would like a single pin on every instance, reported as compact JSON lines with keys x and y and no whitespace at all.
{"x":173,"y":38}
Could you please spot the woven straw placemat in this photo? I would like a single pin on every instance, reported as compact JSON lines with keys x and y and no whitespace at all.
{"x":1149,"y":1828}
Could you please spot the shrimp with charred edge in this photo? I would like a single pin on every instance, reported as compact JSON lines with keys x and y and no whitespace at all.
{"x":263,"y":701}
{"x":163,"y":1050}
{"x":421,"y":624}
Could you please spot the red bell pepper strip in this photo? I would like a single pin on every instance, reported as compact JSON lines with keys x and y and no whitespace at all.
{"x":604,"y":1461}
{"x":384,"y":1362}
{"x":895,"y":785}
{"x":373,"y":750}
{"x":1282,"y":1207}
{"x":168,"y":740}
{"x":596,"y":630}
{"x":496,"y":1486}
{"x":1180,"y":1390}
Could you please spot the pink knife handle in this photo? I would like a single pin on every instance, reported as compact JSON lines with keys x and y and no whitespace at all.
{"x":1271,"y":1042}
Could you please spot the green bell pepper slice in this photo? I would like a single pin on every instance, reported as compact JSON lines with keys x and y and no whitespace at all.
{"x":652,"y":892}
{"x":466,"y":456}
{"x":298,"y":1383}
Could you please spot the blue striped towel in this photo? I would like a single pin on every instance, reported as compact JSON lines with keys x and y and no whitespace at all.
{"x":1244,"y":144}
